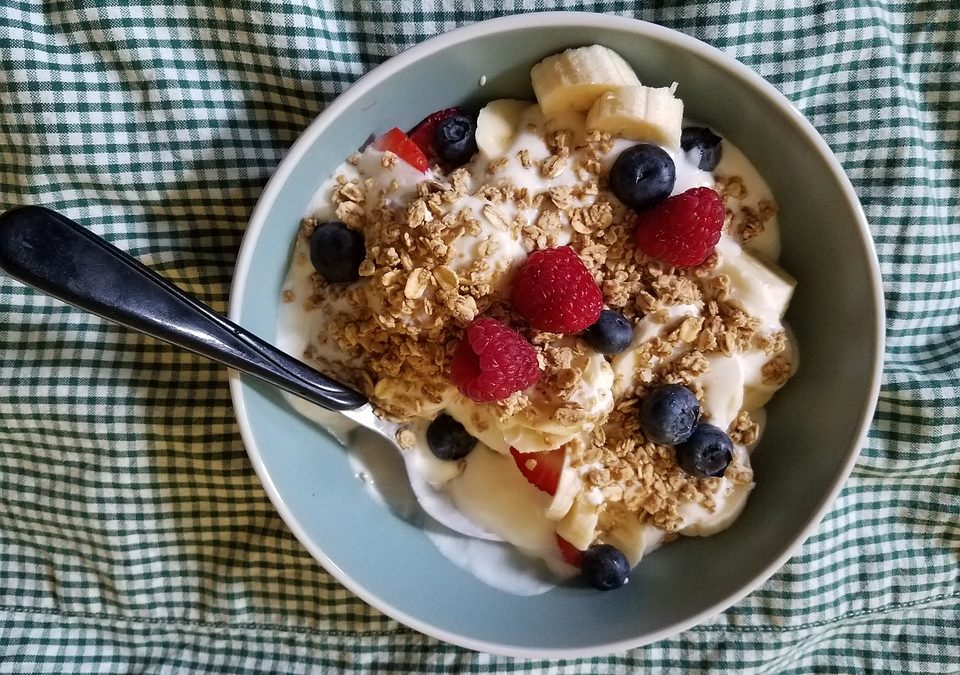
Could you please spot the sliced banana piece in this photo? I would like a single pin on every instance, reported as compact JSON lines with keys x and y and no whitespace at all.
{"x":762,"y":287}
{"x":625,"y":364}
{"x":574,"y":79}
{"x":537,"y":427}
{"x":634,"y":539}
{"x":639,"y":114}
{"x":579,"y":526}
{"x":735,"y":163}
{"x":498,"y":123}
{"x":757,"y":394}
{"x":731,"y":499}
{"x":756,"y":391}
{"x":568,"y":487}
{"x":722,"y":389}
{"x":572,"y":122}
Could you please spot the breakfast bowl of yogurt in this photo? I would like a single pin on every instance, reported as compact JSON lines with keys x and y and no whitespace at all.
{"x":598,"y":291}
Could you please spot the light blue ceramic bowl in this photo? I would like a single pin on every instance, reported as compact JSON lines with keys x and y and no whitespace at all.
{"x":816,"y":424}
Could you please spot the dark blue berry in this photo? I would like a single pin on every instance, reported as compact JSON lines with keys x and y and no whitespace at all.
{"x":455,"y":140}
{"x":605,"y":567}
{"x":707,"y":453}
{"x":448,"y":439}
{"x":669,"y":413}
{"x":611,"y":334}
{"x":706,"y":142}
{"x":336,"y":252}
{"x":642,"y":176}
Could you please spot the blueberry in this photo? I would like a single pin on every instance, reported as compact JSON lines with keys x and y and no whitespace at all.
{"x":336,"y":252}
{"x":448,"y":439}
{"x":707,"y":453}
{"x":455,"y":140}
{"x":669,"y":413}
{"x":708,"y":144}
{"x":642,"y":176}
{"x":605,"y":567}
{"x":611,"y":334}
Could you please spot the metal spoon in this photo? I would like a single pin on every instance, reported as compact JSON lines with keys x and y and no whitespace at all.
{"x":48,"y":251}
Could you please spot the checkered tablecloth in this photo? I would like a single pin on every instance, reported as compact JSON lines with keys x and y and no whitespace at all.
{"x":134,"y":535}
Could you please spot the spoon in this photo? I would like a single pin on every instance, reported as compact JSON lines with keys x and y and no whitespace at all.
{"x":53,"y":254}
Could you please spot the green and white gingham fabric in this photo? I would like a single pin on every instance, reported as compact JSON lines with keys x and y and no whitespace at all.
{"x":134,"y":535}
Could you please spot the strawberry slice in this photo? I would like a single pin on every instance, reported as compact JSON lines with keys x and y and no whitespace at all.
{"x":541,"y":469}
{"x":423,"y":133}
{"x":399,"y":143}
{"x":569,"y":552}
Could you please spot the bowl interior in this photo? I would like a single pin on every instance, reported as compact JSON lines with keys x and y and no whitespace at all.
{"x":815,"y":423}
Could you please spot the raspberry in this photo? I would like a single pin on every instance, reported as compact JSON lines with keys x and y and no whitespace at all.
{"x":554,"y":292}
{"x":681,"y":230}
{"x":492,"y":361}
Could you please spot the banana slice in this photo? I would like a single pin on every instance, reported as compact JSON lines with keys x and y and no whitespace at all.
{"x":628,"y":537}
{"x":731,"y":499}
{"x":625,"y":363}
{"x":580,"y":524}
{"x":572,"y":122}
{"x":627,"y":532}
{"x":574,"y":79}
{"x":757,"y":392}
{"x":535,"y":428}
{"x":639,"y":114}
{"x":722,"y":389}
{"x":568,"y":487}
{"x":762,"y":287}
{"x":498,"y":123}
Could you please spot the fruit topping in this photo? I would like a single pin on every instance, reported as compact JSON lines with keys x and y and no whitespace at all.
{"x":707,"y":453}
{"x":570,"y":553}
{"x":541,"y":469}
{"x":399,"y":143}
{"x":492,"y":361}
{"x":669,"y":414}
{"x":448,"y":439}
{"x":554,"y":291}
{"x":575,"y":78}
{"x":498,"y":123}
{"x":682,"y":230}
{"x":639,"y":114}
{"x":336,"y":252}
{"x":423,"y":133}
{"x":706,"y":143}
{"x":605,"y":567}
{"x":611,"y":333}
{"x":642,"y":176}
{"x":455,"y":140}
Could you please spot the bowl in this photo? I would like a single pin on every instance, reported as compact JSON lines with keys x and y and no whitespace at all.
{"x":815,"y":424}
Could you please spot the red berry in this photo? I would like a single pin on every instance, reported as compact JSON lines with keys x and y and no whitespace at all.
{"x":399,"y":143}
{"x":681,"y":230}
{"x":492,"y":361}
{"x":569,"y":552}
{"x":541,"y":469}
{"x":426,"y":129}
{"x":555,"y":292}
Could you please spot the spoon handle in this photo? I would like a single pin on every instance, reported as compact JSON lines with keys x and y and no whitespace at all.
{"x":50,"y":252}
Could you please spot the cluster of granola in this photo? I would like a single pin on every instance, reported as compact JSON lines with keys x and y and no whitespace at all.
{"x":399,"y":325}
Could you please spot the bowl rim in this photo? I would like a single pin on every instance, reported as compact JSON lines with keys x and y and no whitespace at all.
{"x":385,"y":70}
